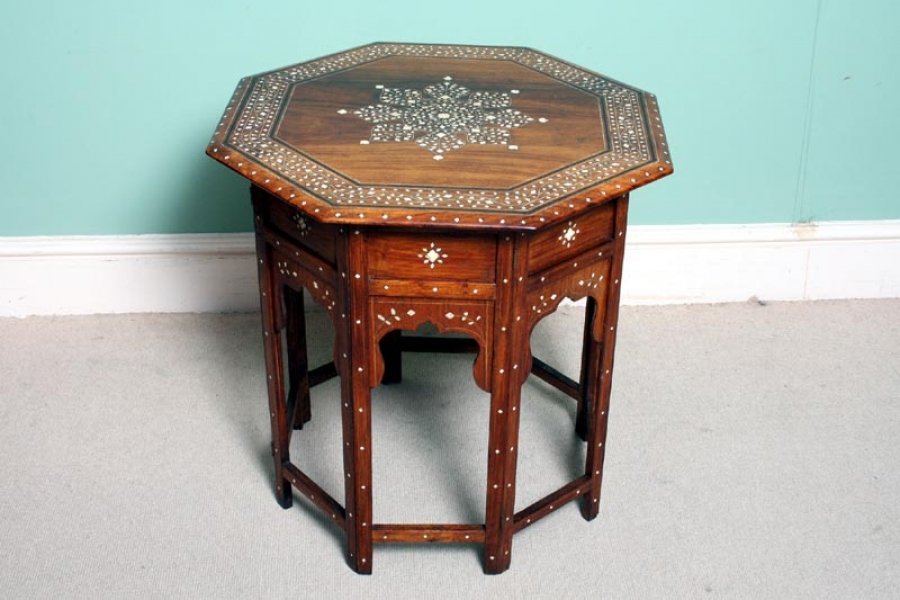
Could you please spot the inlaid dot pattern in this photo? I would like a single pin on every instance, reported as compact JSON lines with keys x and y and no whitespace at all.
{"x":457,"y":114}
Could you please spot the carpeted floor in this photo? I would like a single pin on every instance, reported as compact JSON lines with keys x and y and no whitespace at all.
{"x":752,"y":453}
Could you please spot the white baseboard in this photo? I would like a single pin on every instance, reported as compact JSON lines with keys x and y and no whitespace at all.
{"x":663,"y":265}
{"x":127,"y":274}
{"x":732,"y":263}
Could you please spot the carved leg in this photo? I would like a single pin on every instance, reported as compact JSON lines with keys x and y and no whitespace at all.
{"x":298,"y":365}
{"x":357,"y":470}
{"x":599,"y":373}
{"x":596,"y":403}
{"x":274,"y":373}
{"x":393,"y":362}
{"x":508,"y":372}
{"x":502,"y":453}
{"x":587,"y":348}
{"x":353,"y":366}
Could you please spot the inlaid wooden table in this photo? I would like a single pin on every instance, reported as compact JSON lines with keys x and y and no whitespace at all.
{"x":470,"y":187}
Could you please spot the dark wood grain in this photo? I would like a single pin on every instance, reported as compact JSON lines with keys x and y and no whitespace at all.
{"x":551,"y":502}
{"x":391,"y":349}
{"x":356,"y":400}
{"x":278,"y":418}
{"x":473,"y":318}
{"x":319,"y":238}
{"x":298,"y":365}
{"x":551,"y":246}
{"x":428,"y":534}
{"x":598,"y":382}
{"x":433,"y":288}
{"x":589,"y":349}
{"x":406,"y":256}
{"x":508,"y":371}
{"x":313,"y":125}
{"x":306,"y":486}
{"x":322,"y":373}
{"x":558,"y":380}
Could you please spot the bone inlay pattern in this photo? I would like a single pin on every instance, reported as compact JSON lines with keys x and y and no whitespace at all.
{"x":468,"y":317}
{"x":461,"y":316}
{"x":302,"y":224}
{"x":569,"y":234}
{"x":437,"y":116}
{"x":574,"y":283}
{"x":393,"y":317}
{"x":320,"y":291}
{"x":633,"y":127}
{"x":432,"y":255}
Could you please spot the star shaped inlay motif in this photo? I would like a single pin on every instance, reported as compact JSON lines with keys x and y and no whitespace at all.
{"x":569,"y":234}
{"x":301,"y":223}
{"x":432,"y":255}
{"x":442,"y":117}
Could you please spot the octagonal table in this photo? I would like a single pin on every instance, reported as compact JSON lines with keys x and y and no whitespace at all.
{"x":470,"y":187}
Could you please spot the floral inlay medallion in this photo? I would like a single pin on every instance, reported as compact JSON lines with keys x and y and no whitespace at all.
{"x":432,"y":255}
{"x":442,"y":117}
{"x":569,"y":234}
{"x":301,"y":223}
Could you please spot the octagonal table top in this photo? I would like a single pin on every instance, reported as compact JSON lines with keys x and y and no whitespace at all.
{"x":438,"y":135}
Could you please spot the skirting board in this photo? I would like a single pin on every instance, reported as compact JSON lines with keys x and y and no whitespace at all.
{"x":677,"y":264}
{"x":127,"y":274}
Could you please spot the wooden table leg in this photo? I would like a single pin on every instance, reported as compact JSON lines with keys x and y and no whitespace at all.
{"x":353,"y":359}
{"x":393,"y":361}
{"x":274,"y":372}
{"x":598,"y":381}
{"x":502,"y":454}
{"x":298,"y":365}
{"x":508,"y":374}
{"x":357,"y":436}
{"x":582,"y":410}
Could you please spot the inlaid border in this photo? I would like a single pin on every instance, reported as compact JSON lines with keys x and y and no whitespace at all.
{"x":637,"y":150}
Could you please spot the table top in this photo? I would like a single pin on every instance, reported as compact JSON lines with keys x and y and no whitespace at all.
{"x":437,"y":135}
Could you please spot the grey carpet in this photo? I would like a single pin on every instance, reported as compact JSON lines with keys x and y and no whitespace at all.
{"x":753,"y":453}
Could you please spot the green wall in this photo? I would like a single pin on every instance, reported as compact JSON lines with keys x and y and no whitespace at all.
{"x":776,"y":111}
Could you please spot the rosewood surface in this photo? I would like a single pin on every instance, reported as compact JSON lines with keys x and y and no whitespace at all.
{"x":441,"y":136}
